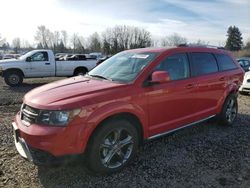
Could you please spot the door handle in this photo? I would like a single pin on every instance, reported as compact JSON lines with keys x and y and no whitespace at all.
{"x":222,"y":78}
{"x":47,"y":63}
{"x":190,"y":86}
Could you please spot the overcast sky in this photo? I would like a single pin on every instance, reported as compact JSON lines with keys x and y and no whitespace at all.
{"x":207,"y":20}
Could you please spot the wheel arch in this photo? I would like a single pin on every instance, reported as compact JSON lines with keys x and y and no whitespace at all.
{"x":79,"y":69}
{"x":232,"y":89}
{"x":13,"y":69}
{"x":131,"y":117}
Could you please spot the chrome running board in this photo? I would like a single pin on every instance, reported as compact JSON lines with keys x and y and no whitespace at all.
{"x":173,"y":130}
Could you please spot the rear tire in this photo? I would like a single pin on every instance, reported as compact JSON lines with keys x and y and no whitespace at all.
{"x":13,"y":78}
{"x":80,"y":72}
{"x":112,"y":146}
{"x":229,"y":111}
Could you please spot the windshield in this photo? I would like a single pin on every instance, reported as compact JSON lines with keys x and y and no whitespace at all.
{"x":123,"y":67}
{"x":23,"y":57}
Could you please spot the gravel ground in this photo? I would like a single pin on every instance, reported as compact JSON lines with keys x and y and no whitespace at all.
{"x":207,"y":155}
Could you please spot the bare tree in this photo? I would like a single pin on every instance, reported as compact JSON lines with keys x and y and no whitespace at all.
{"x":16,"y":44}
{"x":173,"y":40}
{"x":81,"y":44}
{"x":56,"y":38}
{"x":106,"y":43}
{"x":201,"y":42}
{"x":43,"y":36}
{"x":64,"y":37}
{"x":247,"y":46}
{"x":2,"y":40}
{"x":74,"y":41}
{"x":77,"y":43}
{"x":25,"y":45}
{"x":51,"y":40}
{"x":61,"y":47}
{"x":95,"y":42}
{"x":140,"y":38}
{"x":124,"y":37}
{"x":6,"y":46}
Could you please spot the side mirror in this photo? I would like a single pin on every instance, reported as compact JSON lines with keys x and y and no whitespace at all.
{"x":28,"y":59}
{"x":160,"y":77}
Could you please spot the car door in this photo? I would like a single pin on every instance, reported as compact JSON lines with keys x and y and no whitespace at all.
{"x":41,"y":66}
{"x":210,"y":83}
{"x":170,"y":104}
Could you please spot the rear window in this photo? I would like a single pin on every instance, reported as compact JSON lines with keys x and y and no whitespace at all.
{"x":225,"y":62}
{"x":241,"y":62}
{"x":81,"y":57}
{"x":203,"y":63}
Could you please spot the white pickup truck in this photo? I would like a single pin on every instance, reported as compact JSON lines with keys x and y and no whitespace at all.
{"x":39,"y":64}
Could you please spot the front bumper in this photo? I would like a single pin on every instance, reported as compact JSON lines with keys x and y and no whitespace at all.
{"x":245,"y":87}
{"x":37,"y":156}
{"x":20,"y":144}
{"x":58,"y":141}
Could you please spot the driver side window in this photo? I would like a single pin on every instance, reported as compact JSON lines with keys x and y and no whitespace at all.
{"x":176,"y":65}
{"x":40,"y":56}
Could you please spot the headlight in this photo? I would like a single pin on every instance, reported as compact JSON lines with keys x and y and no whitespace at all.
{"x":56,"y":118}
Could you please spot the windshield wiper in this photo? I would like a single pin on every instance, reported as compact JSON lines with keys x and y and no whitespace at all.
{"x":99,"y":76}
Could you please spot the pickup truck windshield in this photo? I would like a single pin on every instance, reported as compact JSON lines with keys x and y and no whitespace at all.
{"x":123,"y":67}
{"x":28,"y":54}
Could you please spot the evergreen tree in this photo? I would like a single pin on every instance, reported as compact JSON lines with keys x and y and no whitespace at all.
{"x":234,"y":40}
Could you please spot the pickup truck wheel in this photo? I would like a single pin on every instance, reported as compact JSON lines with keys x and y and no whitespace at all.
{"x":112,"y":147}
{"x":13,"y":78}
{"x":229,"y":111}
{"x":80,"y":72}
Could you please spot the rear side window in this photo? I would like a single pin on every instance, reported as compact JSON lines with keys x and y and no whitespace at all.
{"x":203,"y":63}
{"x":246,"y":63}
{"x":225,"y":62}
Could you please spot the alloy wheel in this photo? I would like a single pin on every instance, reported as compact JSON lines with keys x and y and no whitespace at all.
{"x":231,"y":110}
{"x":116,"y":148}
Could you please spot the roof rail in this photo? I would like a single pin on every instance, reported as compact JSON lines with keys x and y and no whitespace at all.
{"x":200,"y":45}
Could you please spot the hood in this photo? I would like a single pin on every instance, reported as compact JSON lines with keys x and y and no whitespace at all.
{"x":69,"y":92}
{"x":8,"y":61}
{"x":247,"y":74}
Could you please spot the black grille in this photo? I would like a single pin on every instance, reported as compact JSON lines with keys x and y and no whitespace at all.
{"x":28,"y":114}
{"x":246,"y":89}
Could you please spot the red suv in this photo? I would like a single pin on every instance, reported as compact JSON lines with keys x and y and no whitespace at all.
{"x":134,"y":96}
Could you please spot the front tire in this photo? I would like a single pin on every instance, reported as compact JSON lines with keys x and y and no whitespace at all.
{"x":112,"y":146}
{"x":229,"y":111}
{"x":13,"y":78}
